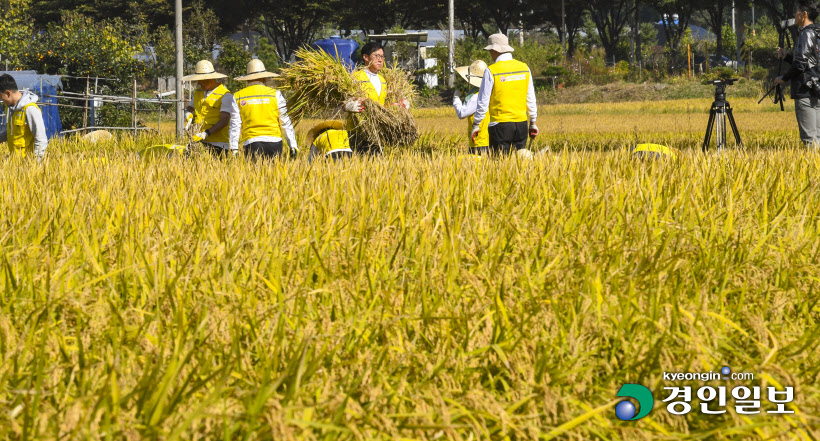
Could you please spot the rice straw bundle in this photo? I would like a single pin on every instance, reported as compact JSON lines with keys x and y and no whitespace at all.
{"x":316,"y":82}
{"x":319,"y":83}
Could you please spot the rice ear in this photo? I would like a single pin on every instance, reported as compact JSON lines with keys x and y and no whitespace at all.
{"x":318,"y":83}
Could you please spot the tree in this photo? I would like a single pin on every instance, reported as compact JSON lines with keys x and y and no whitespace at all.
{"x":714,"y":13}
{"x":610,"y":18}
{"x":574,"y":11}
{"x":675,"y":15}
{"x":15,"y":28}
{"x":380,"y":16}
{"x":779,"y":10}
{"x":290,"y":25}
{"x":486,"y":17}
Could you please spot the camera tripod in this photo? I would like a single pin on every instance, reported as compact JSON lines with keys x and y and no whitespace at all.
{"x":720,"y":111}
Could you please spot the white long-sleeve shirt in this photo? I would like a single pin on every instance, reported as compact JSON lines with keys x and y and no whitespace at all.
{"x":463,"y":110}
{"x":486,"y":90}
{"x":375,"y":81}
{"x":284,"y":123}
{"x":229,"y":106}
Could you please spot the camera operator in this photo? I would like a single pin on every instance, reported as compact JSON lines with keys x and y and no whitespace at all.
{"x":803,"y":62}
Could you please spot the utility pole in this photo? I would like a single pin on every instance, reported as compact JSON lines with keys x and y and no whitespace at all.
{"x":451,"y":46}
{"x":563,"y":29}
{"x":632,"y":41}
{"x":734,"y":29}
{"x":753,"y":19}
{"x":637,"y":27}
{"x":180,"y":116}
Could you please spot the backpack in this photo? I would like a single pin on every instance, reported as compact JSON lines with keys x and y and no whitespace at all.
{"x":811,"y":77}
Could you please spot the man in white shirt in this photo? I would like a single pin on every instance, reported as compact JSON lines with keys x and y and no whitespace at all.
{"x":507,"y":98}
{"x":374,"y":87}
{"x":263,"y":116}
{"x":214,"y":108}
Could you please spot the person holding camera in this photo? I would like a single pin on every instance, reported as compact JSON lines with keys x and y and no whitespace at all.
{"x":804,"y":73}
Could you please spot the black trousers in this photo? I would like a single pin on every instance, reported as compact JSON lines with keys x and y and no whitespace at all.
{"x":479,"y":150}
{"x":508,"y":136}
{"x":361,"y":147}
{"x":264,"y":150}
{"x":219,"y":152}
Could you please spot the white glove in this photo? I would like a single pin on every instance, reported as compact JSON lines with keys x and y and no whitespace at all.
{"x":200,"y":136}
{"x":457,"y":94}
{"x":405,"y":103}
{"x":189,"y":117}
{"x":533,"y":130}
{"x":353,"y":105}
{"x":475,"y":133}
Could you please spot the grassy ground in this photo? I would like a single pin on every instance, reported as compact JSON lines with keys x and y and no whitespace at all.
{"x":418,"y":296}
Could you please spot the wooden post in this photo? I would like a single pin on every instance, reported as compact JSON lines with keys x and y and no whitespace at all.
{"x":85,"y":103}
{"x":180,"y":96}
{"x":689,"y":59}
{"x":134,"y":108}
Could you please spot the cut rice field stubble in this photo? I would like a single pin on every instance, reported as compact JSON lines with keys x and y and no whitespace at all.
{"x":417,"y":296}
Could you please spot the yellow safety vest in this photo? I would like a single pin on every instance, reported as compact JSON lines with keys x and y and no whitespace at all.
{"x":208,"y":112}
{"x":508,"y":101}
{"x":18,"y":134}
{"x":483,"y":137}
{"x":363,"y":80}
{"x":259,"y":110}
{"x":331,"y":140}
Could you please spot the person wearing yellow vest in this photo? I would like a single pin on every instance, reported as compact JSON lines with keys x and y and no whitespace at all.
{"x":214,"y":108}
{"x":374,"y":86}
{"x":263,"y":116}
{"x":25,"y":129}
{"x":507,"y":98}
{"x":472,"y":74}
{"x":329,"y":139}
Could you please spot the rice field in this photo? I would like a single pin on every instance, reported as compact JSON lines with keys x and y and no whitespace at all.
{"x":422,"y":295}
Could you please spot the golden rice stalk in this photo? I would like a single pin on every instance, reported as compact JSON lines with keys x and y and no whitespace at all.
{"x":390,"y":125}
{"x":316,"y":82}
{"x":319,"y":83}
{"x":399,"y":85}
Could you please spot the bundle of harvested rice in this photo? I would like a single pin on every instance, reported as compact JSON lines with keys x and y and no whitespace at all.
{"x":319,"y":83}
{"x":315,"y":83}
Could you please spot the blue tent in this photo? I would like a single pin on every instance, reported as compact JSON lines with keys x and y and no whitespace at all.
{"x":44,"y":86}
{"x":340,"y":48}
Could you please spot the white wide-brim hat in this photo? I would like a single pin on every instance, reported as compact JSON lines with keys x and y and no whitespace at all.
{"x":499,"y":43}
{"x":204,"y":71}
{"x":473,"y":73}
{"x":256,"y":71}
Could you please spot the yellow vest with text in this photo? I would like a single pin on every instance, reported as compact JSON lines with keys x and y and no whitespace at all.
{"x":331,"y":140}
{"x":508,"y":101}
{"x":259,"y":110}
{"x":18,"y":134}
{"x":363,"y":80}
{"x":483,"y":137}
{"x":208,"y":112}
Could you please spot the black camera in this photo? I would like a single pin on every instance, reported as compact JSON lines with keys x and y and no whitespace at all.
{"x":727,"y":82}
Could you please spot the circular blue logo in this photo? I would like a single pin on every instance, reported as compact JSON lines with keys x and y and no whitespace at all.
{"x":625,"y":410}
{"x":725,"y":370}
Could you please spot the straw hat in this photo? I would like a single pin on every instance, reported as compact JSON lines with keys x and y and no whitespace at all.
{"x":256,"y":71}
{"x":473,"y":73}
{"x":322,"y":126}
{"x":204,"y":71}
{"x":499,"y":43}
